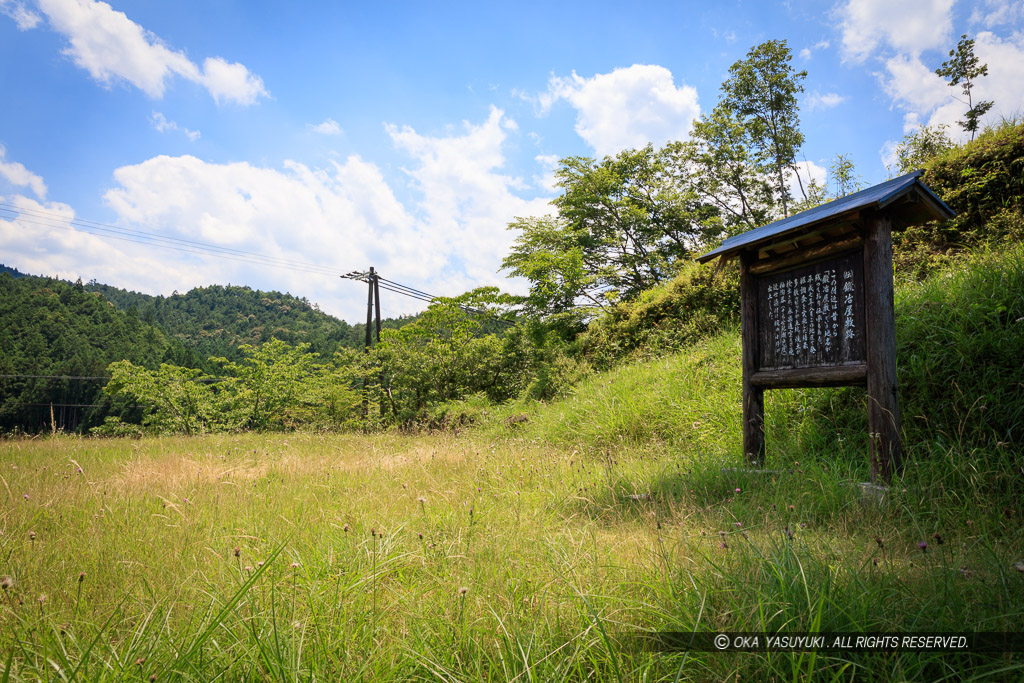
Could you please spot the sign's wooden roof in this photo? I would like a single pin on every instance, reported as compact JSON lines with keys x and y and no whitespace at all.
{"x":908,"y":199}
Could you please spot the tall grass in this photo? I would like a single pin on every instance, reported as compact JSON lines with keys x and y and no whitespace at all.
{"x":541,"y":550}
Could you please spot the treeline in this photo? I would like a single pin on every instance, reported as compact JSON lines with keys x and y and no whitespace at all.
{"x":217,"y":320}
{"x":56,"y":341}
{"x":58,"y":338}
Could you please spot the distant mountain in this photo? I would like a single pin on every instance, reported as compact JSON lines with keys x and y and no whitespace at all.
{"x":13,"y":272}
{"x":216,"y":320}
{"x":54,"y":327}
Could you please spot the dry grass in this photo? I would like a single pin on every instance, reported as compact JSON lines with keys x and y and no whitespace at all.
{"x":565,"y":556}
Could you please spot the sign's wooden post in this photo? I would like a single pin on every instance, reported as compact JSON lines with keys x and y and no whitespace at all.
{"x":885,"y":449}
{"x":753,"y":396}
{"x":816,"y":305}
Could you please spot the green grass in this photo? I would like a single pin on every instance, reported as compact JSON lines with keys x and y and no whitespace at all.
{"x":616,"y":512}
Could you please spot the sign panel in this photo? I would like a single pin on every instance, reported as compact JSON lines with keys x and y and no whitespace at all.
{"x":812,"y":316}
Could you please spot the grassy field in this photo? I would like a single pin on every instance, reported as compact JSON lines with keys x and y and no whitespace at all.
{"x":547,"y":541}
{"x":306,"y":557}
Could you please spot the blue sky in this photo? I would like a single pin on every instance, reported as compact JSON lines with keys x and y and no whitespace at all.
{"x":408,"y":135}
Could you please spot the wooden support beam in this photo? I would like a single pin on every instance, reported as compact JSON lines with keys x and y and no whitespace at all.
{"x":886,"y":449}
{"x":763,"y":266}
{"x":753,"y":396}
{"x":826,"y":376}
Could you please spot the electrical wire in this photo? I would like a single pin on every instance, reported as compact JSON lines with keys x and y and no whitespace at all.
{"x":49,"y":219}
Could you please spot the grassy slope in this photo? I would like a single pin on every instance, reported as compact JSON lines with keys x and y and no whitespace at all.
{"x":608,"y":513}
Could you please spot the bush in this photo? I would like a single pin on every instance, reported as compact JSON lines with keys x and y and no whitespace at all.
{"x":983,"y":181}
{"x":699,"y":302}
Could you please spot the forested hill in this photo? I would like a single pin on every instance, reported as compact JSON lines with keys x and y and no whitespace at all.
{"x":216,"y":320}
{"x":53,"y":328}
{"x":13,"y":272}
{"x":55,"y":337}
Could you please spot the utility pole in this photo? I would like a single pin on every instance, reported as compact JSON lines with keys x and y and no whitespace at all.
{"x":372,"y":306}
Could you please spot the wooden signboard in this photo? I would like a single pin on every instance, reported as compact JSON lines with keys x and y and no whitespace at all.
{"x":816,"y":294}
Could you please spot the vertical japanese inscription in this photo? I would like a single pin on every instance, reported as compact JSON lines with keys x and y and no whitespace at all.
{"x":812,"y":316}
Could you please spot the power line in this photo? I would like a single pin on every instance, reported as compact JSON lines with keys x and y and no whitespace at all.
{"x":49,"y":219}
{"x":79,"y":377}
{"x":405,"y":290}
{"x":52,"y":220}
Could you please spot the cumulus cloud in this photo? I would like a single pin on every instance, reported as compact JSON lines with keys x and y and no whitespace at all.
{"x":993,"y":13}
{"x":43,"y":238}
{"x":161,"y":123}
{"x":896,"y":35}
{"x":808,"y":52}
{"x":450,"y":237}
{"x":827,"y":101}
{"x":904,"y":26}
{"x":113,"y":48}
{"x":927,"y":98}
{"x":24,"y":18}
{"x":466,"y":201}
{"x":627,"y":108}
{"x":16,"y":174}
{"x":231,"y":81}
{"x":328,"y":127}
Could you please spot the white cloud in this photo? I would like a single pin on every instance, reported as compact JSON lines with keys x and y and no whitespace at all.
{"x":808,"y":52}
{"x":994,"y":13}
{"x":161,"y":123}
{"x":809,"y":171}
{"x":927,"y":98}
{"x":328,"y":127}
{"x":907,"y":27}
{"x":628,"y":108}
{"x":113,"y":48}
{"x":827,"y":101}
{"x":231,"y":82}
{"x":43,"y":240}
{"x":24,"y":18}
{"x":19,"y":176}
{"x":450,"y":238}
{"x":467,"y":202}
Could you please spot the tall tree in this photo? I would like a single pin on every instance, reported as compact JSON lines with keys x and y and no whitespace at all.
{"x":621,"y":225}
{"x":761,"y":92}
{"x":921,"y":146}
{"x":964,"y":70}
{"x":718,"y":163}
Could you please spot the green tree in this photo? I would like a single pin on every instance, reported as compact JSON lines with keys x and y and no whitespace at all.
{"x":719,"y":164}
{"x":447,"y":355}
{"x":761,"y":93}
{"x":916,"y":149}
{"x":175,"y":400}
{"x":622,"y":224}
{"x":964,"y":70}
{"x":844,"y":176}
{"x":275,"y":386}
